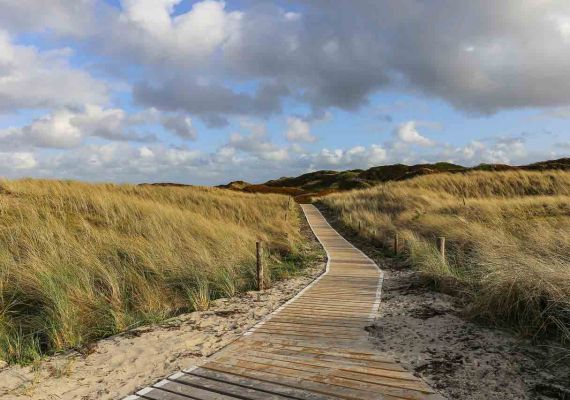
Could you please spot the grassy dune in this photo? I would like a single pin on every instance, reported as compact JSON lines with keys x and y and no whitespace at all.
{"x":81,"y":261}
{"x":508,"y":239}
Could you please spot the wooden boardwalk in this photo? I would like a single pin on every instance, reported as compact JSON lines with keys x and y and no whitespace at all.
{"x":313,"y":347}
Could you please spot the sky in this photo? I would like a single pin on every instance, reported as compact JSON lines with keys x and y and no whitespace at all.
{"x":206,"y":92}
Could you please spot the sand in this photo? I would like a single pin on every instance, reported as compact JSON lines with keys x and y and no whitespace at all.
{"x":427,"y":333}
{"x":118,"y":366}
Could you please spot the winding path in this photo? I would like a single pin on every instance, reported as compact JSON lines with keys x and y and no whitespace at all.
{"x":313,"y":347}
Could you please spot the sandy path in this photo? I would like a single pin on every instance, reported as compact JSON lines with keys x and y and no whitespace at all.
{"x":120,"y":365}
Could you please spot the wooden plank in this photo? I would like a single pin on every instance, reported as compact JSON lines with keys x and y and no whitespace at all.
{"x":192,"y":392}
{"x":268,"y":387}
{"x":385,"y":370}
{"x":308,"y":341}
{"x":276,"y":323}
{"x":324,"y":338}
{"x":340,"y":358}
{"x":296,"y":382}
{"x":322,"y":321}
{"x":227,"y":388}
{"x":158,"y":394}
{"x":362,"y":381}
{"x":354,"y":310}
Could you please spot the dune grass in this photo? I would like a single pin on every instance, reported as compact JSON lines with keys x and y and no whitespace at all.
{"x":84,"y":261}
{"x":508,"y":239}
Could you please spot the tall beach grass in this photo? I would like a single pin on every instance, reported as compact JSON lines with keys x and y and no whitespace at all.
{"x":508,"y":236}
{"x":84,"y":261}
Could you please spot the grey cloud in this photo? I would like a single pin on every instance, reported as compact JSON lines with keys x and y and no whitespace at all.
{"x":179,"y":124}
{"x":481,"y":56}
{"x":67,"y":128}
{"x":212,"y":102}
{"x":331,"y":62}
{"x":63,"y":17}
{"x":257,"y":143}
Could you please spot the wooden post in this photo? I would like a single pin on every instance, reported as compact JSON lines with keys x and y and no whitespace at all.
{"x":259,"y":252}
{"x":396,"y":244}
{"x":441,"y":245}
{"x":288,"y":207}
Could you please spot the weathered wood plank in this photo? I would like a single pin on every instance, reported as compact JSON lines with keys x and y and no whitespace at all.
{"x":269,"y":387}
{"x":228,"y":388}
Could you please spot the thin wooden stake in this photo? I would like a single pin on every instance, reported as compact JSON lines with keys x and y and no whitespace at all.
{"x":396,"y":244}
{"x":441,"y":245}
{"x":259,"y":252}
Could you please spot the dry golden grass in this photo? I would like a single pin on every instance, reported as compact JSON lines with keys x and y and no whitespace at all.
{"x":508,"y":239}
{"x":81,"y":261}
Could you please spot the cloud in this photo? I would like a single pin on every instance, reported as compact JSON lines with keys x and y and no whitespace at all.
{"x":355,"y":157}
{"x":251,"y":157}
{"x":499,"y":150}
{"x":67,"y":128}
{"x":497,"y":58}
{"x":33,"y":79}
{"x":112,"y":124}
{"x":54,"y":130}
{"x":120,"y":161}
{"x":408,"y":133}
{"x":63,"y":17}
{"x":146,"y":31}
{"x":299,"y":130}
{"x":558,"y":112}
{"x":257,"y":143}
{"x":17,"y":161}
{"x":212,"y":102}
{"x":180,"y":125}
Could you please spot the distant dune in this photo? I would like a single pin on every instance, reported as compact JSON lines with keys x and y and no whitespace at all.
{"x":319,"y":183}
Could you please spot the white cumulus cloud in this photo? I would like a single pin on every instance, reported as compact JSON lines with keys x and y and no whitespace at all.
{"x":42,"y":79}
{"x":299,"y":130}
{"x":408,"y":133}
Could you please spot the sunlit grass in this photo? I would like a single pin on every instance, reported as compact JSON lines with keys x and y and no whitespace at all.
{"x":508,"y":236}
{"x":80,"y":261}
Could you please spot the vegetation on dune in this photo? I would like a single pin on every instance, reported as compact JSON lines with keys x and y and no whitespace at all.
{"x":508,"y":239}
{"x":80,"y":261}
{"x":318,"y":181}
{"x":310,"y":186}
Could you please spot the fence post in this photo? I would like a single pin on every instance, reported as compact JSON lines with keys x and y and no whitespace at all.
{"x":396,"y":244}
{"x":441,"y":245}
{"x":288,"y":207}
{"x":259,"y":253}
